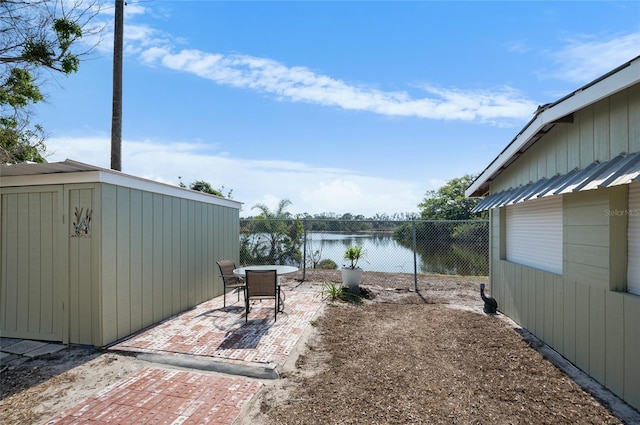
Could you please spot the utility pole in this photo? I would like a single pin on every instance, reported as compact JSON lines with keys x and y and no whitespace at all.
{"x":116,"y":115}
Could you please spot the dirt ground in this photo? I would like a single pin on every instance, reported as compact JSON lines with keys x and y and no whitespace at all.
{"x":399,"y":357}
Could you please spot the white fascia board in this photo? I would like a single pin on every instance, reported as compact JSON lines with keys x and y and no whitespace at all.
{"x":116,"y":179}
{"x":582,"y":98}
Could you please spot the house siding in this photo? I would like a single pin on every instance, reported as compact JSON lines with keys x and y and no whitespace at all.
{"x":585,"y":313}
{"x":591,"y":137}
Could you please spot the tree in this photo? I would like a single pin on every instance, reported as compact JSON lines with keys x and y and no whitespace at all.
{"x":449,"y":202}
{"x":36,"y":35}
{"x":203,"y":186}
{"x":273,"y":237}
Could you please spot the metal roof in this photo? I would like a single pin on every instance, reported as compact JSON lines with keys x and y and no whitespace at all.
{"x":31,"y":169}
{"x":622,"y":169}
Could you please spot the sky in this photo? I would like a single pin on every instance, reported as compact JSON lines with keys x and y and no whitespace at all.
{"x":338,"y":106}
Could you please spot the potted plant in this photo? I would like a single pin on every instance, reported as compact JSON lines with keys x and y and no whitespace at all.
{"x":352,"y":274}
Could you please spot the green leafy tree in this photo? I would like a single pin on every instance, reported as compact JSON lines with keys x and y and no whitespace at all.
{"x":203,"y":186}
{"x":36,"y":35}
{"x":449,"y":202}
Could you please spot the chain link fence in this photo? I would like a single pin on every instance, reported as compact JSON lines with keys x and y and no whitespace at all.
{"x":415,"y":247}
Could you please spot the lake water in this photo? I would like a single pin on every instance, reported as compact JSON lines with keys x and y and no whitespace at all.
{"x":382,"y":253}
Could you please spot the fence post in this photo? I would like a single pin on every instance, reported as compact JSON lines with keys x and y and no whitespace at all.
{"x":304,"y":250}
{"x":415,"y":254}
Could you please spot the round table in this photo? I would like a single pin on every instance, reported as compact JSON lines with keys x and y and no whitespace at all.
{"x":280,"y":270}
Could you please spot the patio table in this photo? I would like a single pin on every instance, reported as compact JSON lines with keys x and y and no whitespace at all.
{"x":280,"y":270}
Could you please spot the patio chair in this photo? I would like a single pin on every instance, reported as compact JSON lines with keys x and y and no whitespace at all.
{"x":229,"y":280}
{"x":261,"y":284}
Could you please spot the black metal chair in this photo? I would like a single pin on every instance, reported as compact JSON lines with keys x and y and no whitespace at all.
{"x":261,"y":284}
{"x":230,"y":280}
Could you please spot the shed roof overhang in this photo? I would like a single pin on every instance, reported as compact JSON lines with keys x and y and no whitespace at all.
{"x":69,"y":171}
{"x":622,"y":169}
{"x":547,"y":116}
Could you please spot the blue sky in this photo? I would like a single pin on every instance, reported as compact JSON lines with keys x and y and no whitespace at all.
{"x":358,"y":107}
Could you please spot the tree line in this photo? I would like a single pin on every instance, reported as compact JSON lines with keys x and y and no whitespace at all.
{"x":277,"y":236}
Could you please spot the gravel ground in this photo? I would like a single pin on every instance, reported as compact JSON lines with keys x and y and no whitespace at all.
{"x":399,"y":357}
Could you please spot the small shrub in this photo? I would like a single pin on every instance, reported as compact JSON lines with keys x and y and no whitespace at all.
{"x":327,"y":264}
{"x":333,"y":291}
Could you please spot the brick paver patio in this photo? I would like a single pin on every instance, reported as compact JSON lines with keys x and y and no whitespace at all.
{"x":208,"y":332}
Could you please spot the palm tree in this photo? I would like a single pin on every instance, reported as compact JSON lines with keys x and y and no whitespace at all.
{"x":280,"y":240}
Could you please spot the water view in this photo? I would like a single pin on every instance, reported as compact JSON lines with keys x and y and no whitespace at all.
{"x":383,"y":253}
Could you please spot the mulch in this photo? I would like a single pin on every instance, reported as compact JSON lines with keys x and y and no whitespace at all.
{"x":408,"y":358}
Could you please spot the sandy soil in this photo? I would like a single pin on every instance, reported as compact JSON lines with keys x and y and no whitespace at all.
{"x":398,"y":357}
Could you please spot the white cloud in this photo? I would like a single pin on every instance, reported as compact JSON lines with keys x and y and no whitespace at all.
{"x":311,"y":189}
{"x":585,"y":58}
{"x":300,"y":84}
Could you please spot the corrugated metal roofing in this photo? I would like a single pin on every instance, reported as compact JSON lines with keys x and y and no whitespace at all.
{"x":622,"y":169}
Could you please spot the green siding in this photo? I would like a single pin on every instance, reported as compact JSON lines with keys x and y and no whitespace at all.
{"x":108,"y":288}
{"x":163,"y":254}
{"x":599,"y":132}
{"x":634,"y":118}
{"x":82,"y":314}
{"x":146,"y":257}
{"x":31,"y":304}
{"x":596,"y":317}
{"x":558,"y":320}
{"x":631,"y":353}
{"x":585,"y":313}
{"x":614,"y":342}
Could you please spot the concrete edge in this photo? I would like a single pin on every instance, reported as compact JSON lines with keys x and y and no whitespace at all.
{"x":297,"y":350}
{"x":211,"y":365}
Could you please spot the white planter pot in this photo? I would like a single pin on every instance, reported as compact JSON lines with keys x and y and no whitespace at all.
{"x":352,"y":278}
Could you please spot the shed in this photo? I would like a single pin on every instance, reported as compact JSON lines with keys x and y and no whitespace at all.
{"x":91,"y":255}
{"x":564,"y":202}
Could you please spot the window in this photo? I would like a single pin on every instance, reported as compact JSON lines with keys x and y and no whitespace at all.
{"x":534,"y":234}
{"x":633,"y":240}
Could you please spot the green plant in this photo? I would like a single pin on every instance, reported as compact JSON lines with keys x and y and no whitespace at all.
{"x":327,"y":264}
{"x":333,"y":291}
{"x":353,"y":254}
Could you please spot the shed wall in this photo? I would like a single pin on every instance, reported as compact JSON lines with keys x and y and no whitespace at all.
{"x":158,"y":256}
{"x":91,"y":263}
{"x":31,"y":301}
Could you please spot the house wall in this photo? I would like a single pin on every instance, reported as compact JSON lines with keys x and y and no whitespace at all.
{"x":583,"y":313}
{"x":159,"y":256}
{"x":599,"y":132}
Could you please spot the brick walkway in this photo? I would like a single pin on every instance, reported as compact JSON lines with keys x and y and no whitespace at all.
{"x":209,"y":333}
